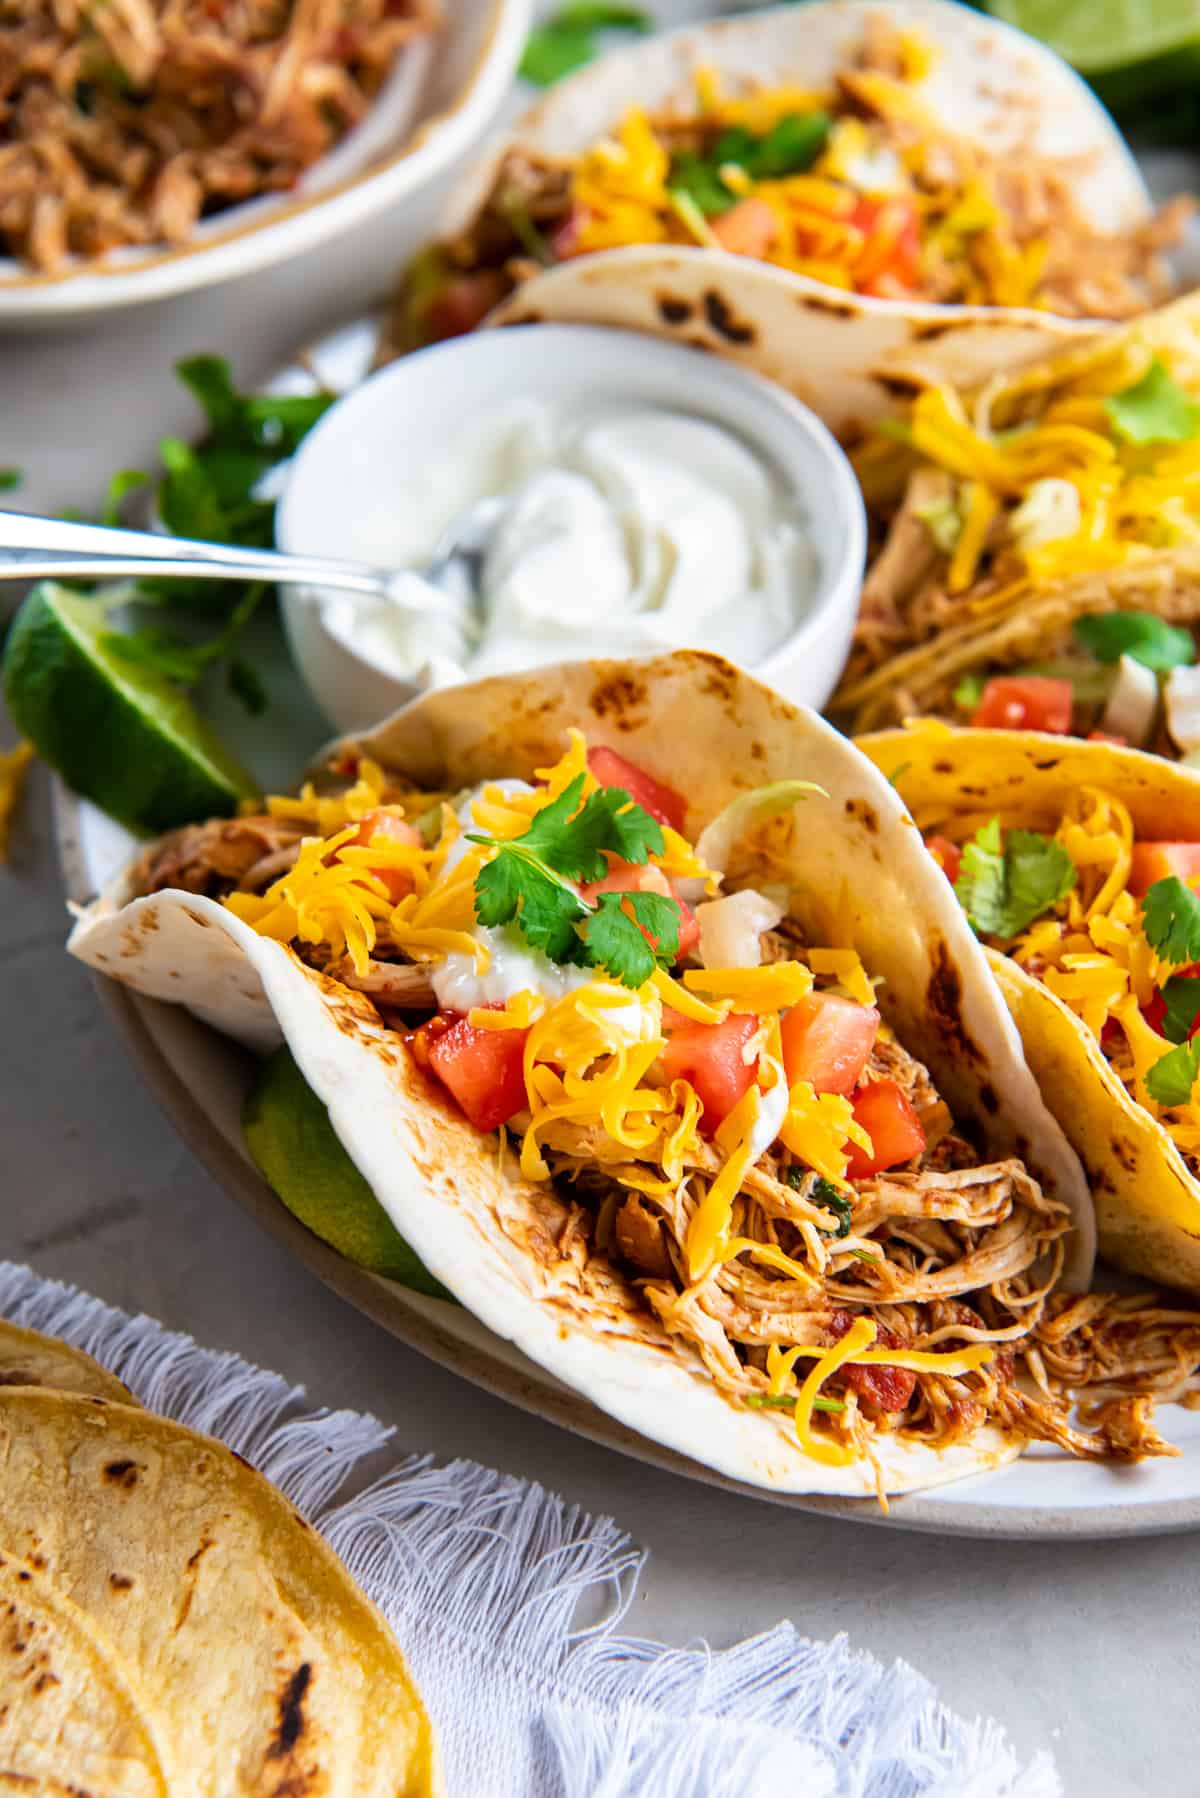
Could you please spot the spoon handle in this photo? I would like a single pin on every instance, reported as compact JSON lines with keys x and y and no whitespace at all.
{"x":69,"y":548}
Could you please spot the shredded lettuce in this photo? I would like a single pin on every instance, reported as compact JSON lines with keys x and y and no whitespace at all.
{"x":716,"y":841}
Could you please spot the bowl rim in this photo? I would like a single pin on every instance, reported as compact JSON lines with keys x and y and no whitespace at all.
{"x":836,"y":590}
{"x":294,"y":224}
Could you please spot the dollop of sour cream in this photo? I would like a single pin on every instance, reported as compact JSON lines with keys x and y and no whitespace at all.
{"x":625,"y":532}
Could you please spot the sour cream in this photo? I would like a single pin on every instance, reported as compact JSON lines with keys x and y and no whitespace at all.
{"x":627,"y":530}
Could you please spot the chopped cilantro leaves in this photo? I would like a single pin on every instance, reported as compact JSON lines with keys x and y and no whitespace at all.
{"x":569,"y":38}
{"x":791,"y":145}
{"x":968,"y":695}
{"x":1171,"y":1079}
{"x":827,"y":1195}
{"x":1181,"y":997}
{"x":1171,"y":920}
{"x":1143,"y":635}
{"x":1007,"y":879}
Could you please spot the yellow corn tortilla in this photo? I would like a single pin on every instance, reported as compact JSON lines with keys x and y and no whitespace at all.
{"x":1147,"y":1200}
{"x":862,"y":880}
{"x":1026,"y":621}
{"x":28,"y":1358}
{"x":170,"y":1577}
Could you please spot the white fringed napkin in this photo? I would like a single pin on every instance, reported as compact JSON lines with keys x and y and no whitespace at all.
{"x":481,"y":1576}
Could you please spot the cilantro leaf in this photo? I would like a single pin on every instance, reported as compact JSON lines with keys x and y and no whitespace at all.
{"x":1149,"y":639}
{"x":573,"y":839}
{"x":1171,"y":1079}
{"x":245,"y":684}
{"x":791,"y":145}
{"x":121,"y":484}
{"x":1008,"y":880}
{"x":515,"y":887}
{"x":10,"y":479}
{"x":1181,"y":997}
{"x":698,"y":180}
{"x":568,"y":39}
{"x":1171,"y":920}
{"x":1155,"y":409}
{"x":616,"y":940}
{"x":823,"y":1192}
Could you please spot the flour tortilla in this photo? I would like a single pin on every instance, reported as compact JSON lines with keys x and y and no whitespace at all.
{"x":711,"y":732}
{"x":28,"y":1358}
{"x":846,"y":355}
{"x":171,"y":1577}
{"x":1147,"y":1200}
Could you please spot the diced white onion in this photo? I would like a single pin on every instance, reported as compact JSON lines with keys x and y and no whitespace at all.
{"x":1133,"y":703}
{"x":1181,"y":696}
{"x":731,"y":929}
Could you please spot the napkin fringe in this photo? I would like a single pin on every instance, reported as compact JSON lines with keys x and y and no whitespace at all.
{"x":619,"y":1717}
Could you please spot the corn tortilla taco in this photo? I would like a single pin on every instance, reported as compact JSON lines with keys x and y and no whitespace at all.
{"x":169,"y":1624}
{"x":843,"y":196}
{"x":1077,"y":863}
{"x":1037,"y":560}
{"x":633,"y":995}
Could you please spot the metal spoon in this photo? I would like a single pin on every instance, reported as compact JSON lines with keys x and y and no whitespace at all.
{"x":32,"y":548}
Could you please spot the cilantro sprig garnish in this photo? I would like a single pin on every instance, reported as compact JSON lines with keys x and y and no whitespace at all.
{"x":1009,"y":878}
{"x":1171,"y":920}
{"x":1171,"y":1079}
{"x":1181,"y":1000}
{"x":792,"y":145}
{"x":1145,"y":636}
{"x":824,"y":1193}
{"x":530,"y":882}
{"x":571,"y":37}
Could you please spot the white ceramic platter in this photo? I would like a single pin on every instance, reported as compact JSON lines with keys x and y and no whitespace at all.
{"x":201,"y":1079}
{"x":440,"y":100}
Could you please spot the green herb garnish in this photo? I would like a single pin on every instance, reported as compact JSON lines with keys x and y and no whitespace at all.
{"x":1181,"y":997}
{"x":1171,"y":920}
{"x":1008,"y":879}
{"x":1143,"y":635}
{"x":570,"y":38}
{"x":10,"y":479}
{"x":968,"y":695}
{"x":823,"y":1192}
{"x":529,"y":882}
{"x":1155,"y":409}
{"x":788,"y":148}
{"x":1171,"y":1079}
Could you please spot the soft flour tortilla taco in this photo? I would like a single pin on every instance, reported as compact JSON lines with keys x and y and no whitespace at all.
{"x":839,"y":195}
{"x":1041,"y":532}
{"x":633,"y":994}
{"x":170,"y":1625}
{"x":1077,"y":864}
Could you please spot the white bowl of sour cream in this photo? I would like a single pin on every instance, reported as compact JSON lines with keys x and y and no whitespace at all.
{"x":654,"y":498}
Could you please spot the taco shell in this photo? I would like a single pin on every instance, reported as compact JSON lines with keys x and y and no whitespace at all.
{"x":847,"y":355}
{"x":185,"y":1631}
{"x":27,"y":1358}
{"x":712,"y":732}
{"x":1146,"y":1198}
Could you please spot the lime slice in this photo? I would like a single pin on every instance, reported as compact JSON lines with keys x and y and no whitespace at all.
{"x":298,"y":1153}
{"x":120,"y":735}
{"x":1097,"y":36}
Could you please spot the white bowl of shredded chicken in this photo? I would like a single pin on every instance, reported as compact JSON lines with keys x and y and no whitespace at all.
{"x":150,"y":147}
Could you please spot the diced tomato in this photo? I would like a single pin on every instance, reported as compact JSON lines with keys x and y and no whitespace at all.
{"x":564,"y":240}
{"x":827,"y":1040}
{"x":482,"y":1069}
{"x":398,"y":881}
{"x":889,"y":1119}
{"x":1158,"y":861}
{"x":663,"y":803}
{"x":747,"y":229}
{"x":463,"y":303}
{"x":890,"y":1388}
{"x":948,"y":853}
{"x":891,"y":256}
{"x":710,"y":1058}
{"x":1026,"y":702}
{"x":628,"y":877}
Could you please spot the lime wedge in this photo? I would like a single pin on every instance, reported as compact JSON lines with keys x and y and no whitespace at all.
{"x":120,"y":735}
{"x":1099,"y":36}
{"x":299,"y":1154}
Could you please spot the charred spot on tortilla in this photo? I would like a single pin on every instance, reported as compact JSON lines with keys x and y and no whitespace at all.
{"x":758,"y":751}
{"x":291,"y":1713}
{"x":120,"y":1582}
{"x":930,"y":329}
{"x":724,"y":321}
{"x":812,"y":302}
{"x":944,"y":995}
{"x":943,"y":767}
{"x":673,"y":311}
{"x":988,"y":1099}
{"x":195,"y":917}
{"x":1046,"y":766}
{"x":863,"y":814}
{"x":615,"y":698}
{"x":900,"y":386}
{"x":1125,"y":1153}
{"x":123,"y":1474}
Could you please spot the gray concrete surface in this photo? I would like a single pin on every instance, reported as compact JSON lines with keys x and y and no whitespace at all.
{"x":1088,"y":1649}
